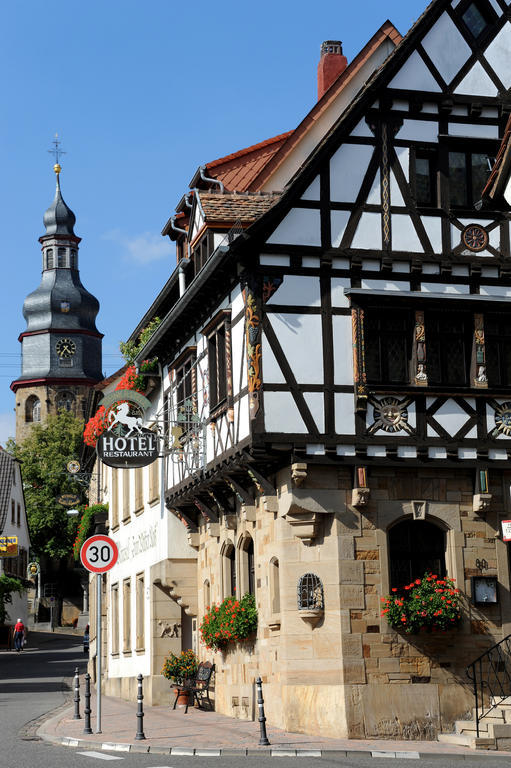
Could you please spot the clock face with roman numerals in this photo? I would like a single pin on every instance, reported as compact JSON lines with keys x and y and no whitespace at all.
{"x":65,"y":348}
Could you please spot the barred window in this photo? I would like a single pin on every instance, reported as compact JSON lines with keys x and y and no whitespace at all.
{"x":310,"y":592}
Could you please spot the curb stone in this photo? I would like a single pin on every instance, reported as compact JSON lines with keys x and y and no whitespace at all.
{"x":67,"y":741}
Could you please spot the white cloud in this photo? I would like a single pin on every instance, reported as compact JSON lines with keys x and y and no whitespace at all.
{"x":142,"y":248}
{"x":7,"y":426}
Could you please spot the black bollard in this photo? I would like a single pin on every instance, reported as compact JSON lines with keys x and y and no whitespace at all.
{"x":140,"y":711}
{"x":76,"y":699}
{"x":263,"y":738}
{"x":87,"y":710}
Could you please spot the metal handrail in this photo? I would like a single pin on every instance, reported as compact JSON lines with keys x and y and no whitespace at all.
{"x":490,"y":674}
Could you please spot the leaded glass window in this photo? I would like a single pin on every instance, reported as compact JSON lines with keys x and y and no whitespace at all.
{"x":497,"y":336}
{"x":449,"y":347}
{"x":468,"y":174}
{"x":387,"y":337}
{"x":477,"y":17}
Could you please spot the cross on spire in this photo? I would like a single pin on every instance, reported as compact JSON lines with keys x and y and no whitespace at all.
{"x":56,"y":151}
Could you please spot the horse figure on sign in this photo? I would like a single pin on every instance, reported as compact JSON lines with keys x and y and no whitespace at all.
{"x":120,"y":416}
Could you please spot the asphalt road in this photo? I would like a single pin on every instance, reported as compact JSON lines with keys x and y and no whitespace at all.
{"x":39,"y":680}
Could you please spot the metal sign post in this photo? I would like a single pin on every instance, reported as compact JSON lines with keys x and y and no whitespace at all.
{"x":98,"y":653}
{"x":98,"y":554}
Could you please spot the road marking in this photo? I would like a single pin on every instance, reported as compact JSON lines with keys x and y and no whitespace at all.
{"x":100,"y":756}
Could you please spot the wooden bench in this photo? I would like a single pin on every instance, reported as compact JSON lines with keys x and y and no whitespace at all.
{"x":198,"y":687}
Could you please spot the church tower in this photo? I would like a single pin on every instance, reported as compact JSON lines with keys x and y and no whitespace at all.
{"x":61,"y":346}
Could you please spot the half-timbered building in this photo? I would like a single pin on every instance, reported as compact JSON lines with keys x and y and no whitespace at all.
{"x":336,"y":369}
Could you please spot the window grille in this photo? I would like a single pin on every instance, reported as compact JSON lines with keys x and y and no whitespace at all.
{"x":310,"y":592}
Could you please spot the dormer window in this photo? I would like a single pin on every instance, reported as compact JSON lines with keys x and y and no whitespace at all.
{"x":477,"y":16}
{"x":202,"y":251}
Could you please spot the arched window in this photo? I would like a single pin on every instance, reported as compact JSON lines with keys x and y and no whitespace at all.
{"x":310,"y":592}
{"x":65,"y":401}
{"x":228,"y":569}
{"x":274,"y":586}
{"x":247,"y":567}
{"x":207,"y":595}
{"x":32,"y":409}
{"x":49,"y":259}
{"x":415,"y":546}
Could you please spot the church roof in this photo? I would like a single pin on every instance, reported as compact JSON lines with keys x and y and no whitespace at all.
{"x":59,"y":219}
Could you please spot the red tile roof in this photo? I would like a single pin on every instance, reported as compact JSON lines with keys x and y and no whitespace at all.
{"x":228,"y":208}
{"x":238,"y":169}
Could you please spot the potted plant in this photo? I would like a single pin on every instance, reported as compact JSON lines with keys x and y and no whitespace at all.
{"x":431,"y":603}
{"x":180,"y":670}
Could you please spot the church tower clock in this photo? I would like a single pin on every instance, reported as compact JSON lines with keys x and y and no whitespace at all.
{"x":61,"y":346}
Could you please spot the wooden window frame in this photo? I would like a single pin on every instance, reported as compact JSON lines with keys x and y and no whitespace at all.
{"x":380,"y":337}
{"x":219,"y":363}
{"x":140,"y":611}
{"x":423,"y":153}
{"x":139,"y":490}
{"x":487,"y":12}
{"x":114,"y":595}
{"x":126,"y":616}
{"x":468,"y":148}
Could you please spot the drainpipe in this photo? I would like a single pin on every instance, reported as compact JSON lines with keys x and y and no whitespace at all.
{"x":181,"y":231}
{"x":181,"y":275}
{"x":211,"y":181}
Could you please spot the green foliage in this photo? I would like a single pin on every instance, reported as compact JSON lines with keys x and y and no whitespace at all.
{"x":429,"y":603}
{"x":229,"y":622}
{"x":130,"y":349}
{"x":180,"y":668}
{"x":43,"y":456}
{"x":85,"y":525}
{"x":8,"y":585}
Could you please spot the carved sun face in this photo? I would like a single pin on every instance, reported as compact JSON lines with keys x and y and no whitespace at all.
{"x":503,"y":418}
{"x":390,"y":415}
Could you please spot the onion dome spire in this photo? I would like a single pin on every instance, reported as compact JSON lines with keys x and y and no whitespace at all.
{"x":59,"y":219}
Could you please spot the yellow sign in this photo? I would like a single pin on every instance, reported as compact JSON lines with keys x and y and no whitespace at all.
{"x":8,"y":546}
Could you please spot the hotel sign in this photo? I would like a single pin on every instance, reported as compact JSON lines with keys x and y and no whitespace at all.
{"x":126,"y":443}
{"x":132,"y":450}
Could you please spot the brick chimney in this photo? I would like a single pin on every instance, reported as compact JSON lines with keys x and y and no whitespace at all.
{"x":331,"y":64}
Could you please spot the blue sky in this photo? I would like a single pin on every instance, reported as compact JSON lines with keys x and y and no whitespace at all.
{"x":141,"y":95}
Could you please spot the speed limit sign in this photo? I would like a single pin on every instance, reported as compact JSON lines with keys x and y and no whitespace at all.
{"x":99,"y":553}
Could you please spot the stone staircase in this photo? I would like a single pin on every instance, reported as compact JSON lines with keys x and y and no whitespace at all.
{"x":494,"y":729}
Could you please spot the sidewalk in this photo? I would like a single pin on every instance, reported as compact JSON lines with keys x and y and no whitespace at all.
{"x":202,"y":732}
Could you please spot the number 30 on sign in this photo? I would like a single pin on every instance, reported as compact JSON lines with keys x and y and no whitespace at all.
{"x":99,"y":553}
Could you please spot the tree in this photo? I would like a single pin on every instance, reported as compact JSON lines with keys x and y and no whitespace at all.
{"x":44,"y":455}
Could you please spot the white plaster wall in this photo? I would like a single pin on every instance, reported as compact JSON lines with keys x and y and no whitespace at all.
{"x":239,"y":365}
{"x":299,"y":290}
{"x":316,"y":404}
{"x":418,"y":130}
{"x":404,"y":234}
{"x":348,"y":167}
{"x":415,"y":76}
{"x":477,"y":83}
{"x":272,"y":372}
{"x":281,"y":413}
{"x":344,"y":414}
{"x":313,"y":190}
{"x":295,"y":333}
{"x":301,"y":226}
{"x":498,"y":54}
{"x":343,"y":350}
{"x":446,"y":47}
{"x":242,"y":418}
{"x":368,"y":234}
